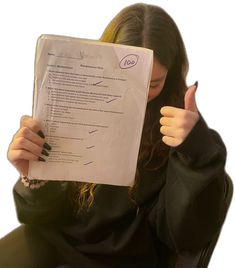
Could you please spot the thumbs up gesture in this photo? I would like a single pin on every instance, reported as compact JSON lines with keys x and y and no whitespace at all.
{"x":177,"y":123}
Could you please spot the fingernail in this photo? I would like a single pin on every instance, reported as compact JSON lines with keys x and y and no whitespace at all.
{"x":41,"y":159}
{"x":44,"y":152}
{"x":47,"y":146}
{"x":196,"y":84}
{"x":41,"y":134}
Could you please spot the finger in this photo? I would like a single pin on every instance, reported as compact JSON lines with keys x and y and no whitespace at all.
{"x":167,"y":121}
{"x":16,"y":155}
{"x":190,"y":99}
{"x":22,"y":143}
{"x":168,"y":131}
{"x":169,"y":111}
{"x":29,"y":122}
{"x":171,"y":141}
{"x":28,"y":134}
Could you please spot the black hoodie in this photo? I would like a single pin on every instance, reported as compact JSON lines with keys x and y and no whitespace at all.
{"x":179,"y":208}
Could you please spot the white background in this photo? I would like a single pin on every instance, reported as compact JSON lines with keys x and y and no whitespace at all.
{"x":207,"y":28}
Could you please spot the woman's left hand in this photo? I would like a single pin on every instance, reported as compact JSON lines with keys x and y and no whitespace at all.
{"x":177,"y":123}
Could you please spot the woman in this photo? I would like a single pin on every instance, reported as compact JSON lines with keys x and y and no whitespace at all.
{"x":176,"y":204}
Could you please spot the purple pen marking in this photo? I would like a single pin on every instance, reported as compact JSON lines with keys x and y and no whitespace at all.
{"x":89,"y":147}
{"x":88,"y":163}
{"x":95,"y":84}
{"x":92,"y":131}
{"x":110,"y":100}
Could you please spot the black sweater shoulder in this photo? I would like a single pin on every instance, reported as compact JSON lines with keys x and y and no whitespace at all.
{"x":191,"y":206}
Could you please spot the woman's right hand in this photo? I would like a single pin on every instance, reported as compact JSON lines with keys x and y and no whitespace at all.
{"x":27,"y":144}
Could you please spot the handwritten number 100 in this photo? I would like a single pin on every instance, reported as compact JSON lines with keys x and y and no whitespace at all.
{"x":129,"y":61}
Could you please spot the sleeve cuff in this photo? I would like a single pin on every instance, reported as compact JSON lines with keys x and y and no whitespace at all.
{"x":199,"y":144}
{"x":48,"y":192}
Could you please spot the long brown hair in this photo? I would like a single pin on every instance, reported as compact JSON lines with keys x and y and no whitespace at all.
{"x":151,"y":27}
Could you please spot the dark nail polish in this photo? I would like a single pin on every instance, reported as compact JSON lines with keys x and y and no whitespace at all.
{"x":47,"y":146}
{"x":196,"y":84}
{"x":41,"y":159}
{"x":44,"y":152}
{"x":41,"y":134}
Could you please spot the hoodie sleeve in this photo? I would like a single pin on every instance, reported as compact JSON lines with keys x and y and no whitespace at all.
{"x":46,"y":205}
{"x":191,"y":206}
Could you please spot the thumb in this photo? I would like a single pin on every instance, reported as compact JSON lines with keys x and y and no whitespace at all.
{"x":189,"y":98}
